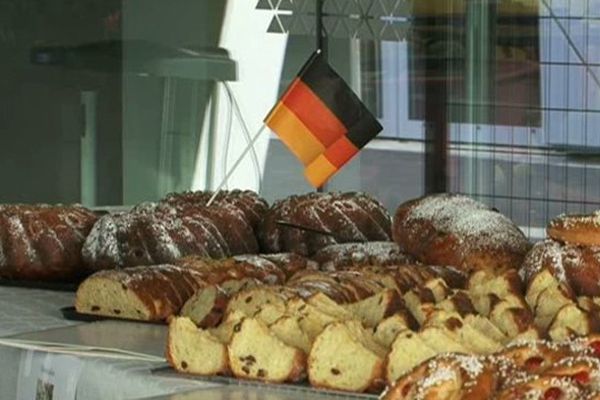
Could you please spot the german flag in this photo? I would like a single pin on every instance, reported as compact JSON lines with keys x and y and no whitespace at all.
{"x":321,"y":120}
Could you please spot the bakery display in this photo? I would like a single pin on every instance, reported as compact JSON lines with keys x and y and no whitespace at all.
{"x":452,"y":229}
{"x":180,"y":225}
{"x":43,"y":242}
{"x":347,"y":255}
{"x":459,"y":305}
{"x":321,"y":219}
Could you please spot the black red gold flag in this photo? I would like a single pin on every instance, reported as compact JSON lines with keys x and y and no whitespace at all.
{"x":322,"y":122}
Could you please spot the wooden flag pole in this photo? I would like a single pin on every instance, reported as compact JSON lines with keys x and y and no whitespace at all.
{"x":320,"y":44}
{"x":236,"y":164}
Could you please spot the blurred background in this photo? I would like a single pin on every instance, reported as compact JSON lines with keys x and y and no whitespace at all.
{"x":113,"y":102}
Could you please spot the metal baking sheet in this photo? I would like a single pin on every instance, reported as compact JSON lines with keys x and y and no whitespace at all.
{"x":251,"y":390}
{"x":107,"y":335}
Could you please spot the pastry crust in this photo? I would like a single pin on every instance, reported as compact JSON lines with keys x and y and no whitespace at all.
{"x":581,"y":229}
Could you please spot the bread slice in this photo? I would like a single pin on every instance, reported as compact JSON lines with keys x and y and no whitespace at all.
{"x":195,"y":351}
{"x":342,"y":358}
{"x":463,"y":332}
{"x":420,"y":302}
{"x":207,"y":306}
{"x":438,"y":288}
{"x":549,"y":301}
{"x":326,"y":305}
{"x":441,"y":340}
{"x":372,"y":310}
{"x":312,"y":320}
{"x":250,"y":301}
{"x":231,"y":323}
{"x":485,"y":326}
{"x":386,"y":331}
{"x":571,"y":321}
{"x":537,"y":284}
{"x":458,"y":301}
{"x":256,"y":353}
{"x":289,"y":331}
{"x":269,"y":313}
{"x":408,"y":351}
{"x":509,"y":319}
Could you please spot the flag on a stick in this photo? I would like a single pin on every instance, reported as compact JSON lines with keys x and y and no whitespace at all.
{"x":321,"y":120}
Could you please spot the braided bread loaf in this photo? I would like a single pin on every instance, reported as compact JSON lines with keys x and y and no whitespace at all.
{"x":451,"y":229}
{"x":43,"y":242}
{"x":349,"y":217}
{"x":155,"y":233}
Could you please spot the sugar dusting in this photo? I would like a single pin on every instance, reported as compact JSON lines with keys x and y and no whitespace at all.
{"x":473,"y":223}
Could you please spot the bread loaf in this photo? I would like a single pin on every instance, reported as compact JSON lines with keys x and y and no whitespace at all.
{"x":154,"y":233}
{"x":450,"y":229}
{"x":142,"y":293}
{"x":43,"y":242}
{"x":348,"y":217}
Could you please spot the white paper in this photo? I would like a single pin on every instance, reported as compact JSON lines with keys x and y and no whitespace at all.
{"x":48,"y":376}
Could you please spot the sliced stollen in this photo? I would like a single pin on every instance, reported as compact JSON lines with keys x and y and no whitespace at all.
{"x":420,"y":302}
{"x":572,"y":321}
{"x":148,"y":293}
{"x":540,"y":281}
{"x":548,"y":303}
{"x":345,"y":357}
{"x":207,"y":306}
{"x":288,"y":330}
{"x":408,"y":351}
{"x":372,"y":310}
{"x":326,"y":305}
{"x":250,"y":301}
{"x":486,"y":326}
{"x":195,"y":351}
{"x":462,"y":331}
{"x":458,"y":301}
{"x":386,"y":331}
{"x":257,"y":353}
{"x":311,"y":319}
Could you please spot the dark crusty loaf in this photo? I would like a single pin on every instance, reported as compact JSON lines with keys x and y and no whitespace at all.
{"x":450,"y":229}
{"x":252,"y":206}
{"x":142,"y":293}
{"x":154,"y":233}
{"x":43,"y":242}
{"x":349,"y":217}
{"x":346,"y":255}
